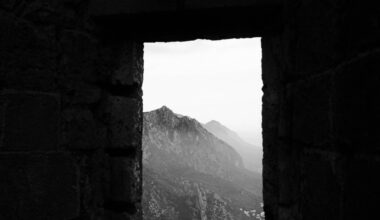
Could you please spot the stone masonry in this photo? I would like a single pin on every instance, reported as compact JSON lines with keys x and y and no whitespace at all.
{"x":71,"y":102}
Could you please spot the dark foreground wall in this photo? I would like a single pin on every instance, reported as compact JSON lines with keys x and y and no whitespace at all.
{"x":321,"y":112}
{"x":71,"y":102}
{"x":70,"y":116}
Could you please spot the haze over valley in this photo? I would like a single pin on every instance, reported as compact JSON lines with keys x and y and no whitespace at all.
{"x":202,"y":145}
{"x":208,"y":80}
{"x":189,"y":173}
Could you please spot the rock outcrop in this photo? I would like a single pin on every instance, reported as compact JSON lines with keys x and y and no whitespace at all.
{"x":191,"y":174}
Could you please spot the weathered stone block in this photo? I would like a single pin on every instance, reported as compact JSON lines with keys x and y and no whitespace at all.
{"x":113,"y":67}
{"x":28,"y":57}
{"x":311,"y":111}
{"x":80,"y":93}
{"x":359,"y":28}
{"x":131,"y":65}
{"x":122,"y":64}
{"x":30,"y":121}
{"x":323,"y":35}
{"x":270,"y":113}
{"x":288,"y":173}
{"x":362,"y":192}
{"x":311,"y":38}
{"x":320,"y":192}
{"x":82,"y":130}
{"x":79,"y":57}
{"x":287,"y":212}
{"x":309,"y":59}
{"x":92,"y":168}
{"x":125,"y":186}
{"x":356,"y":105}
{"x":270,"y":192}
{"x":125,"y":176}
{"x":34,"y":186}
{"x":7,"y":4}
{"x":125,"y":118}
{"x":271,"y":68}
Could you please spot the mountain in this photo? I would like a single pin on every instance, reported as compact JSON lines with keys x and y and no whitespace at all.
{"x":189,"y":173}
{"x":252,"y":155}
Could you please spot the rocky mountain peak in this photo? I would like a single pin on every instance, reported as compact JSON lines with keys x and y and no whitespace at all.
{"x":185,"y":139}
{"x":189,"y":173}
{"x":164,"y":113}
{"x":164,"y":108}
{"x":165,"y":117}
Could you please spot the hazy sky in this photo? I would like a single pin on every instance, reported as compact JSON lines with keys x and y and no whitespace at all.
{"x":207,"y":80}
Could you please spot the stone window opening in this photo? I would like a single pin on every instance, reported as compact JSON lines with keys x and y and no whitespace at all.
{"x":71,"y":102}
{"x":155,"y":80}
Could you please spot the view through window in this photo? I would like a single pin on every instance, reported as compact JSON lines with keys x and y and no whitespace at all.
{"x":202,"y":142}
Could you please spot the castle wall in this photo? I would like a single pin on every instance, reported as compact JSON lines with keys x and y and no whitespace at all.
{"x":71,"y":102}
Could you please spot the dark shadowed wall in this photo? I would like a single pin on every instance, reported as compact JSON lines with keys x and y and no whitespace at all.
{"x":320,"y":112}
{"x":71,"y":107}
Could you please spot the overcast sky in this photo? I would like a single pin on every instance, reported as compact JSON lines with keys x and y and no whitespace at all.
{"x":207,"y":80}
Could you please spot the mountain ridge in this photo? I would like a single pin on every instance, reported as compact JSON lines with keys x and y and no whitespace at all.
{"x":189,"y":173}
{"x":166,"y":119}
{"x":251,"y":154}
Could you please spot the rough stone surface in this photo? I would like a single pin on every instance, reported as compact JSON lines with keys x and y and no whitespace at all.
{"x":360,"y":173}
{"x":30,"y":121}
{"x":125,"y":118}
{"x":82,"y":130}
{"x":319,"y":112}
{"x":57,"y":77}
{"x":70,"y":81}
{"x":28,"y":58}
{"x":316,"y":191}
{"x":311,"y":111}
{"x":355,"y":104}
{"x":123,"y":187}
{"x":38,"y":186}
{"x":78,"y":57}
{"x":130,"y":69}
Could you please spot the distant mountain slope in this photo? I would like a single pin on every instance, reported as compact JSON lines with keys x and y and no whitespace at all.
{"x":188,"y":173}
{"x":183,"y":142}
{"x":252,"y":155}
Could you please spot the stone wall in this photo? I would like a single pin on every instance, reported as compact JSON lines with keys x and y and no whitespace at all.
{"x":320,"y":113}
{"x":70,"y":116}
{"x":71,"y":102}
